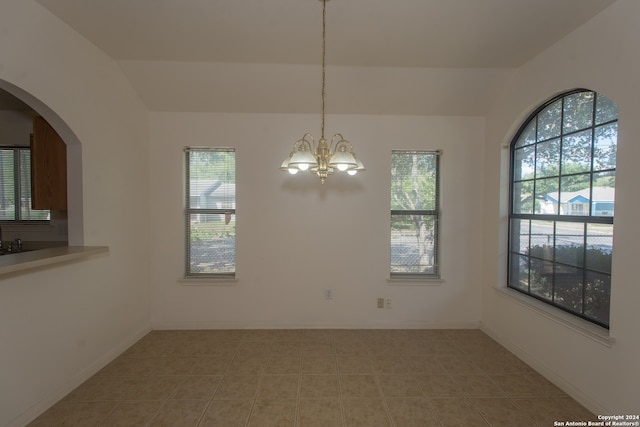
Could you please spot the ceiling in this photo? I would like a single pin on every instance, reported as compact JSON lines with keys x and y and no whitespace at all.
{"x":173,"y":49}
{"x":397,"y":33}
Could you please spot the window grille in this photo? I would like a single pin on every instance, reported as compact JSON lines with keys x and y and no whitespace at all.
{"x":563,"y":164}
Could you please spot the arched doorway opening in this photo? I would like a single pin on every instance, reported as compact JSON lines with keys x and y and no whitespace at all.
{"x":17,"y":110}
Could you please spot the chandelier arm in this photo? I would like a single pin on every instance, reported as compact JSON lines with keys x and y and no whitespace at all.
{"x":304,"y":141}
{"x":308,"y":137}
{"x":340,"y":141}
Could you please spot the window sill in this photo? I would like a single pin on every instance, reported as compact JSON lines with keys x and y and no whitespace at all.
{"x":25,"y":261}
{"x":583,"y":327}
{"x":208,"y":281}
{"x":415,"y":281}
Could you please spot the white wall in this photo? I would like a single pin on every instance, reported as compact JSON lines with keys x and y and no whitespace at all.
{"x":58,"y":325}
{"x":297,"y":237}
{"x":603,"y":56}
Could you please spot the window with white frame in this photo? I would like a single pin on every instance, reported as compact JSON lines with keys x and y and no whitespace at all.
{"x":210,"y":212}
{"x":15,"y":187}
{"x":563,"y":165}
{"x":415,"y":212}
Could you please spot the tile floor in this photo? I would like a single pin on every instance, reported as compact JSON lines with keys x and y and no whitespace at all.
{"x":315,"y":378}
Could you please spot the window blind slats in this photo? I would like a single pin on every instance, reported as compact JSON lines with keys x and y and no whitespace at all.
{"x":15,"y":186}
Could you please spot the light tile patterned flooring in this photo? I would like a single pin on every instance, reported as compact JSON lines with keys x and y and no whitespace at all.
{"x":315,"y":378}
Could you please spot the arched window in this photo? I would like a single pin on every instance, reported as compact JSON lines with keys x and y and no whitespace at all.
{"x":563,"y":164}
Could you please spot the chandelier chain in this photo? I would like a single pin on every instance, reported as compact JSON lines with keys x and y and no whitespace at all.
{"x":324,"y":32}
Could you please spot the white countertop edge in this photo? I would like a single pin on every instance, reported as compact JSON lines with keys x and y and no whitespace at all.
{"x":24,"y":261}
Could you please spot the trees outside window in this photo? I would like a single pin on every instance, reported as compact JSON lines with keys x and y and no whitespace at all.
{"x":563,"y":163}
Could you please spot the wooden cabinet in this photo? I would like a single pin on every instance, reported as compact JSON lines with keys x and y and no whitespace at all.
{"x":48,"y":168}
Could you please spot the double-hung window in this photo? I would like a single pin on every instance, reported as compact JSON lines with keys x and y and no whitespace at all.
{"x":415,"y":212}
{"x":15,"y":186}
{"x":563,"y":164}
{"x":210,"y":212}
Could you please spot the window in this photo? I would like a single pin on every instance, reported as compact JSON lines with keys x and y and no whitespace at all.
{"x":415,"y":205}
{"x":210,"y":213}
{"x":562,"y":204}
{"x":15,"y":191}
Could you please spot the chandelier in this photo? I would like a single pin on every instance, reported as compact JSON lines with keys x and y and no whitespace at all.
{"x":323,"y":158}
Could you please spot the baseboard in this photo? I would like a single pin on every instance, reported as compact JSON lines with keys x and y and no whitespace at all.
{"x":263,"y":325}
{"x":40,"y":407}
{"x":548,"y":373}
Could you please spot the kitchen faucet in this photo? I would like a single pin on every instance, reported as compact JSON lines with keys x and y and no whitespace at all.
{"x":9,"y":245}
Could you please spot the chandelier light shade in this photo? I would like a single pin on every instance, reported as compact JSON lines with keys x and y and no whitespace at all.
{"x":323,"y":157}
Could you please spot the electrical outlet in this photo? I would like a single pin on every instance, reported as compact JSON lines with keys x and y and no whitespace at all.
{"x":328,"y":294}
{"x":387,"y":303}
{"x":380,"y":302}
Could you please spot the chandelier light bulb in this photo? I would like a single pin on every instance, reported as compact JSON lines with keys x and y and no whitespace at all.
{"x":293,"y":171}
{"x":303,"y":166}
{"x":342,"y":167}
